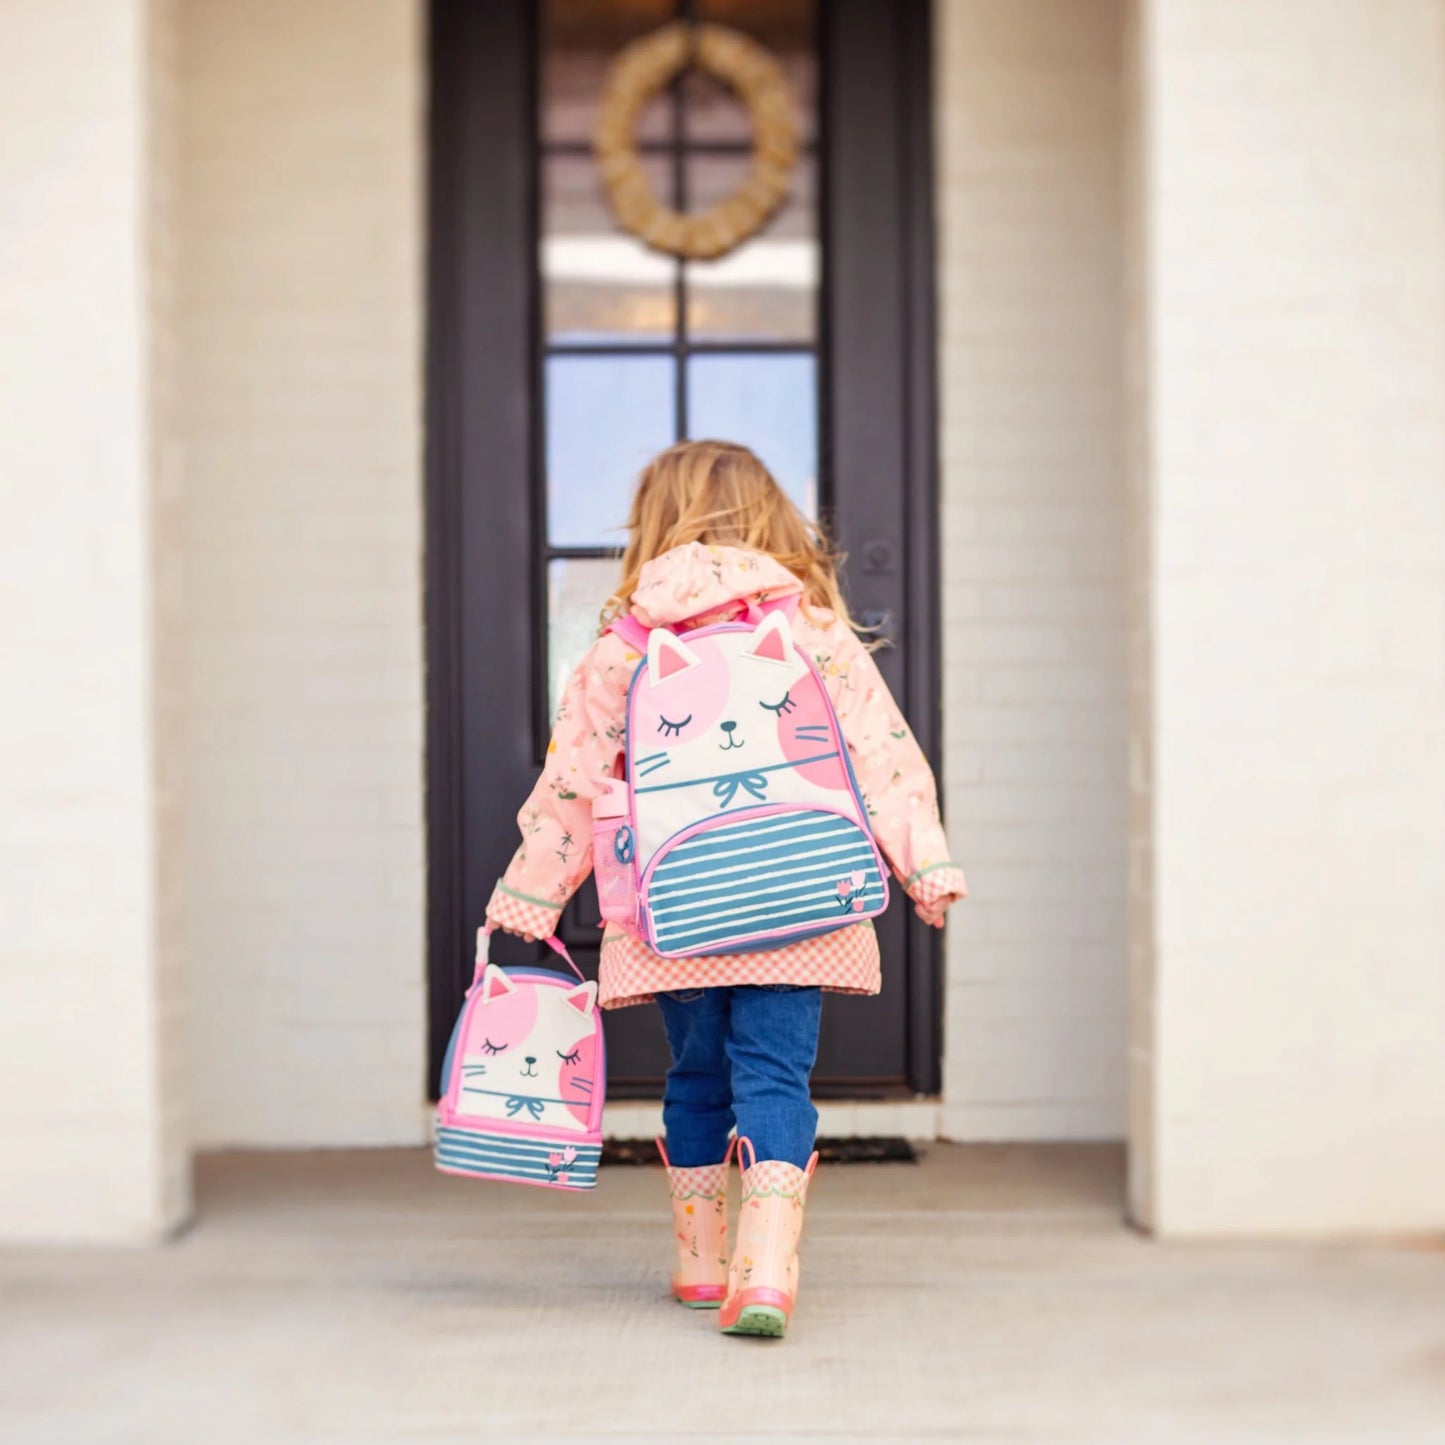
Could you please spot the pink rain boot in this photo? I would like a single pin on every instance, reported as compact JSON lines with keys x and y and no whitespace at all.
{"x":763,"y":1278}
{"x":700,"y":1226}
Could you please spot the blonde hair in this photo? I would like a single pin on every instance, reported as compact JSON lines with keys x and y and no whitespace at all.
{"x":720,"y":494}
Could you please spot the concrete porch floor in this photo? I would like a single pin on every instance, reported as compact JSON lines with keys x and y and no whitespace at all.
{"x":990,"y":1293}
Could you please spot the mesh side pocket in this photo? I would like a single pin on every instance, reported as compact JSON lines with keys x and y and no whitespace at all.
{"x":613,"y":862}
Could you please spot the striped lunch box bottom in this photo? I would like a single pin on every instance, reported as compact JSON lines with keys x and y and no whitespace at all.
{"x":778,"y":874}
{"x":516,"y":1158}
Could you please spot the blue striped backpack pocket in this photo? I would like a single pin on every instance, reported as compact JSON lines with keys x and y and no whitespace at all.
{"x":760,"y":879}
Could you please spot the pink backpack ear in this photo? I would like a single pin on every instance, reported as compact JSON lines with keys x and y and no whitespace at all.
{"x":495,"y":984}
{"x":772,"y":640}
{"x":667,"y":655}
{"x":584,"y":997}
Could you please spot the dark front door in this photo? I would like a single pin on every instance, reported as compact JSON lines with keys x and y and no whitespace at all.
{"x":563,"y":353}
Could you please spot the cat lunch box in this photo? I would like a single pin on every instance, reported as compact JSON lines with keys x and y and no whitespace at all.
{"x":524,"y":1077}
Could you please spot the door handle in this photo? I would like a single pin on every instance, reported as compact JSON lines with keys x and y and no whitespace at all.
{"x":877,"y":622}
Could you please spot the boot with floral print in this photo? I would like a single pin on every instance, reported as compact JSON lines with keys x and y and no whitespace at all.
{"x":700,"y":1229}
{"x":763,"y":1277}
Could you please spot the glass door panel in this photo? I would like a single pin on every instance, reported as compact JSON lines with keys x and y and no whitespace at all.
{"x":638,"y":348}
{"x":787,"y":28}
{"x":767,"y":290}
{"x":606,"y":416}
{"x":580,"y":40}
{"x":576,"y":588}
{"x":600,"y":287}
{"x":767,"y":402}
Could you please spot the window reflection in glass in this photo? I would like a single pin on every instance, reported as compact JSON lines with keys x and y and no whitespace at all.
{"x":607,"y":417}
{"x":600,"y":285}
{"x":576,"y":590}
{"x":766,"y":402}
{"x":580,"y":40}
{"x":766,"y":290}
{"x":785,"y":28}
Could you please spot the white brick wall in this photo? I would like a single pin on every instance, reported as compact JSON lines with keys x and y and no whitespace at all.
{"x":91,"y":1128}
{"x":1029,"y":163}
{"x":301,"y":314}
{"x":1292,"y":206}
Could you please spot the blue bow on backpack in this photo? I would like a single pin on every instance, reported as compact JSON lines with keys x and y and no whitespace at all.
{"x":725,"y":788}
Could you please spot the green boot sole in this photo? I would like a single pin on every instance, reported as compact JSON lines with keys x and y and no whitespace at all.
{"x":765,"y":1320}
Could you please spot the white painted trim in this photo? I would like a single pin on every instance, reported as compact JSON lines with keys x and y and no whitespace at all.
{"x":1055,"y":1123}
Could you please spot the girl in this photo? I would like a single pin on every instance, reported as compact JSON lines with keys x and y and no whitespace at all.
{"x":710,"y":533}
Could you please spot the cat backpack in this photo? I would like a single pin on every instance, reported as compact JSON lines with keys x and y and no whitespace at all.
{"x":740,"y":825}
{"x":524,"y":1077}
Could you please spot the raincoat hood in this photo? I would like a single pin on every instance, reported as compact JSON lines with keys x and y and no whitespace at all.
{"x":696,"y":583}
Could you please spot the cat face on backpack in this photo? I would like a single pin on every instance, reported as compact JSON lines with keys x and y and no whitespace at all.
{"x":727,"y":706}
{"x":530,"y":1053}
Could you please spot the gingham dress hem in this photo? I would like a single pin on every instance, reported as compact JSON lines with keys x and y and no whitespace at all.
{"x":846,"y":961}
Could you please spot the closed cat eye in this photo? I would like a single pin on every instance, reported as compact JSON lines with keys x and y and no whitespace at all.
{"x":787,"y":704}
{"x":672,"y":729}
{"x":489,"y":1047}
{"x":569,"y":1058}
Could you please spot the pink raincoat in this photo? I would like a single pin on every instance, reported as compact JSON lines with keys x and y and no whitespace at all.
{"x":689,"y":587}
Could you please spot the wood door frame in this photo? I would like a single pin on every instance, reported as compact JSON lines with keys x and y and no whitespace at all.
{"x":481,"y":405}
{"x":482,"y":219}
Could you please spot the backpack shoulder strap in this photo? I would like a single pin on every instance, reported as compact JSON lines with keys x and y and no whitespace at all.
{"x":788,"y":606}
{"x":631,"y":631}
{"x":635,"y":635}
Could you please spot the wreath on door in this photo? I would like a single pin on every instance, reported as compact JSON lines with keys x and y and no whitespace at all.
{"x":639,"y":72}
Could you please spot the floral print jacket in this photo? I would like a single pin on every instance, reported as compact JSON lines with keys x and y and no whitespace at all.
{"x":696,"y":585}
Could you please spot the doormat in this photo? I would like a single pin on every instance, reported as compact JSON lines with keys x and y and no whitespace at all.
{"x":830,"y":1151}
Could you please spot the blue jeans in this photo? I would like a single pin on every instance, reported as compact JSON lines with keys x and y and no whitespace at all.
{"x":740,"y":1055}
